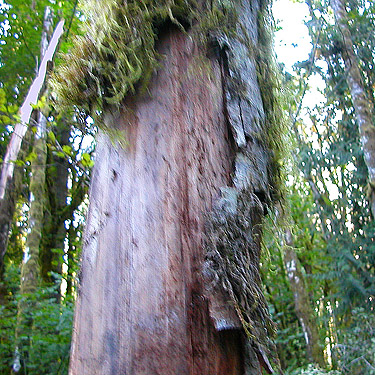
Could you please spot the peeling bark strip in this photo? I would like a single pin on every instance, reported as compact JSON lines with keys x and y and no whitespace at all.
{"x":233,"y":231}
{"x":145,"y":305}
{"x":362,"y":105}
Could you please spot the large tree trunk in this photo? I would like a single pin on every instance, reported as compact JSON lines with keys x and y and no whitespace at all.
{"x":140,"y":307}
{"x":144,"y":306}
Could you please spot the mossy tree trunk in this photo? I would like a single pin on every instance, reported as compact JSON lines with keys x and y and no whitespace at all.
{"x":30,"y":271}
{"x":9,"y":179}
{"x":303,"y":304}
{"x":362,"y":105}
{"x":7,"y":211}
{"x":175,"y":167}
{"x":56,"y":211}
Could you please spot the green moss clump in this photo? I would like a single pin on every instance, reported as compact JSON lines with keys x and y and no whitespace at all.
{"x":116,"y":54}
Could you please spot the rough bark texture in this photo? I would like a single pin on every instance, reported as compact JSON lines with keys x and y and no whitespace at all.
{"x":143,"y":306}
{"x":362,"y":105}
{"x":302,"y":303}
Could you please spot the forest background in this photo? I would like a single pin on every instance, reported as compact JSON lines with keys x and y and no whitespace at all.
{"x":319,"y":253}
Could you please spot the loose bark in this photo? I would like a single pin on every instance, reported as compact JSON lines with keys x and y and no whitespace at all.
{"x":362,"y":105}
{"x":303,"y":306}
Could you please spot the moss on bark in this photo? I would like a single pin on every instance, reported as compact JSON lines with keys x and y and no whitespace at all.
{"x":116,"y":55}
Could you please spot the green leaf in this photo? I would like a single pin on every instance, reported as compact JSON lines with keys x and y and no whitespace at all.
{"x":86,"y":160}
{"x":51,"y":136}
{"x":31,"y":157}
{"x":19,"y":163}
{"x":60,"y":154}
{"x":67,"y":149}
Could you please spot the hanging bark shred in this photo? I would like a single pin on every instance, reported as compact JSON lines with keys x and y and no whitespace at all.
{"x":362,"y":105}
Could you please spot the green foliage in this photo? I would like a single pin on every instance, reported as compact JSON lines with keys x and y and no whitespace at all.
{"x":356,"y":344}
{"x":330,"y":218}
{"x":46,"y":341}
{"x":312,"y":370}
{"x":20,"y":33}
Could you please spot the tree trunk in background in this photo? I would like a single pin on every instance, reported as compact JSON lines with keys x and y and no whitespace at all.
{"x":7,"y":210}
{"x":30,"y":266}
{"x":9,"y":182}
{"x":30,"y":270}
{"x":54,"y":232}
{"x":304,"y":309}
{"x":32,"y":97}
{"x":144,"y":306}
{"x":362,"y":105}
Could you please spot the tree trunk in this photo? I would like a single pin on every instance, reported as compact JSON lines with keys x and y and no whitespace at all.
{"x":30,"y":266}
{"x":362,"y":105}
{"x":26,"y":109}
{"x":54,"y":231}
{"x":30,"y":270}
{"x":145,"y":303}
{"x":304,"y":310}
{"x":8,"y":181}
{"x":7,"y":210}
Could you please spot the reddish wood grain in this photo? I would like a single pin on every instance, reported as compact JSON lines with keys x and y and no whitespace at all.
{"x":141,"y":308}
